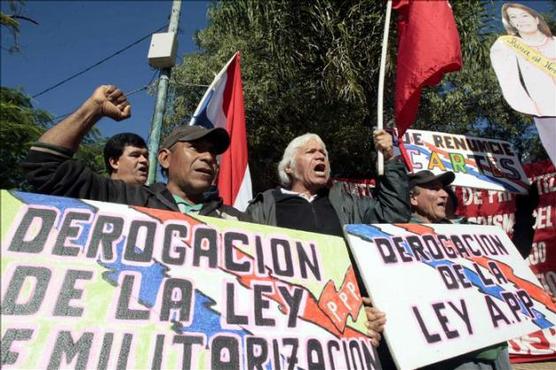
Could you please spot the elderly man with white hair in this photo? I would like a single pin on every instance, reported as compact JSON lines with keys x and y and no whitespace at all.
{"x":307,"y":200}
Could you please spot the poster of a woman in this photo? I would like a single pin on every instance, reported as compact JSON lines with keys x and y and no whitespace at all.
{"x":525,"y":63}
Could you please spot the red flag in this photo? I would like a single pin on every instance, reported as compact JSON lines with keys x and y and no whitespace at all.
{"x":428,"y":47}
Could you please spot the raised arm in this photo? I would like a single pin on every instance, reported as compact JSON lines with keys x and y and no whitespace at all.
{"x":106,"y":101}
{"x":391,"y":202}
{"x":49,"y":166}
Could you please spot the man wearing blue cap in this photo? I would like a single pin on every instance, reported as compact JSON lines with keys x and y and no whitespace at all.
{"x":187,"y":157}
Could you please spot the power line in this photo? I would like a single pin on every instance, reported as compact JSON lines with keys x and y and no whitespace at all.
{"x":97,"y":63}
{"x":187,"y":84}
{"x":133,"y":92}
{"x":127,"y":94}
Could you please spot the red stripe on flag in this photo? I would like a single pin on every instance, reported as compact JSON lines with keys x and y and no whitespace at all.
{"x":234,"y":161}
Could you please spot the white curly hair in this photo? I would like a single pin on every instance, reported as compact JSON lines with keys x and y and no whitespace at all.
{"x":289,"y":156}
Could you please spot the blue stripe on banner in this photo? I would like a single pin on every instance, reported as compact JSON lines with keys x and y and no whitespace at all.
{"x":365,"y":232}
{"x":61,"y":204}
{"x":151,"y":276}
{"x":477,"y":174}
{"x":206,"y":320}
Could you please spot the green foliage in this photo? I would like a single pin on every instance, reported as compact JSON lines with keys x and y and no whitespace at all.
{"x":10,"y":22}
{"x":91,"y":151}
{"x":21,"y":125}
{"x":313,"y":67}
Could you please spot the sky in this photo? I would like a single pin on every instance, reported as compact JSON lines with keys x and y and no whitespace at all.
{"x":542,"y":6}
{"x":73,"y":35}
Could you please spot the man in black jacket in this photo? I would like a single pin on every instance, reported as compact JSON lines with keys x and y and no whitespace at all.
{"x":187,"y":155}
{"x":306,"y":201}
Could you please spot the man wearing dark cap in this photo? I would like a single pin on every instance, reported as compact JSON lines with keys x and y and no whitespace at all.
{"x":428,"y":199}
{"x":427,"y":196}
{"x":187,"y":156}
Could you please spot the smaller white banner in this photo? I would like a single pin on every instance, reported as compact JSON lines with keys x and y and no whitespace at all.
{"x":477,"y":162}
{"x":447,"y":289}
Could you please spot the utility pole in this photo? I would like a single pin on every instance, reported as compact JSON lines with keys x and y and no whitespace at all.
{"x":160,"y":107}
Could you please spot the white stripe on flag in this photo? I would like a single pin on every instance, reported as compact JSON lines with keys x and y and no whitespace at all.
{"x":245,"y":192}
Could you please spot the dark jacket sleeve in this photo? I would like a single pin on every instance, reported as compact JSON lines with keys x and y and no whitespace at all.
{"x":523,"y":231}
{"x":229,"y":212}
{"x":58,"y":174}
{"x":391,"y":197}
{"x":213,"y":206}
{"x":262,"y":209}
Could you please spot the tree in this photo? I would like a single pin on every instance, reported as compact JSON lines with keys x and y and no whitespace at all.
{"x":313,"y":67}
{"x":11,"y":22}
{"x":20,"y":125}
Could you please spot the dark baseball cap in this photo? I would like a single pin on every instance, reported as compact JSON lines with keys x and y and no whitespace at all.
{"x":218,"y":136}
{"x":426,"y":177}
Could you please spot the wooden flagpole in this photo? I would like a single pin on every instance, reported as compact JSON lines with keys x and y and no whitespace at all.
{"x":382,"y":72}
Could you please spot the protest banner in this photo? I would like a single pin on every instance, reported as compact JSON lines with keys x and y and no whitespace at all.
{"x":360,"y":188}
{"x":88,"y":284}
{"x":476,"y":162}
{"x":499,"y":208}
{"x":447,"y":289}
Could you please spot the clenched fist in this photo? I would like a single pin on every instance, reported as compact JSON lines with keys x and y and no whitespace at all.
{"x":109,"y":101}
{"x":383,"y":142}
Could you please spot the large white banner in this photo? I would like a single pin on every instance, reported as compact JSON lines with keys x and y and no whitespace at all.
{"x":447,"y":289}
{"x":476,"y":162}
{"x":94,"y":285}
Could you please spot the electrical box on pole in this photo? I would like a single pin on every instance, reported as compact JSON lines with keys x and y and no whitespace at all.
{"x":162,"y":55}
{"x":162,"y":52}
